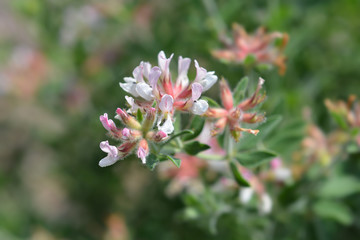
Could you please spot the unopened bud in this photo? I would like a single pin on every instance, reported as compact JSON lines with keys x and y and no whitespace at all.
{"x":149,"y":120}
{"x":127,"y":119}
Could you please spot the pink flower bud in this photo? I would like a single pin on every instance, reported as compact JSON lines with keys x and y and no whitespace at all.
{"x":255,"y":99}
{"x":126,"y":133}
{"x":160,"y":136}
{"x":127,"y":119}
{"x":216,"y":113}
{"x":226,"y":95}
{"x":143,"y":150}
{"x":149,"y":120}
{"x":107,"y":123}
{"x":276,"y":163}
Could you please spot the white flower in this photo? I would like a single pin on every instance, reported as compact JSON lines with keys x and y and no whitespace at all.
{"x":145,"y":91}
{"x":196,"y":90}
{"x":246,"y":194}
{"x":112,"y":157}
{"x":166,"y":103}
{"x":167,"y":127}
{"x":183,"y":68}
{"x":199,"y":107}
{"x":133,"y":106}
{"x":265,"y":205}
{"x":164,"y":62}
{"x":129,"y":86}
{"x":137,"y":86}
{"x":282,"y":174}
{"x":205,"y":78}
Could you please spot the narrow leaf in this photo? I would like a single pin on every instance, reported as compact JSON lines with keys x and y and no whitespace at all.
{"x":240,"y":89}
{"x":151,"y":161}
{"x":254,"y":158}
{"x":195,"y":147}
{"x":339,"y":187}
{"x":197,"y":124}
{"x":211,"y":102}
{"x":139,"y":115}
{"x":176,"y":161}
{"x":237,"y":175}
{"x":334,"y":210}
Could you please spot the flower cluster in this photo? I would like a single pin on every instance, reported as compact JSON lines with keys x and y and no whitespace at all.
{"x":265,"y":48}
{"x":231,"y":115}
{"x":155,"y":96}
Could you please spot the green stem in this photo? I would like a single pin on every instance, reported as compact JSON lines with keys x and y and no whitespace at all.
{"x":229,"y":145}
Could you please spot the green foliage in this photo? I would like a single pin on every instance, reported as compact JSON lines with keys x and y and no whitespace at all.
{"x":339,"y":187}
{"x":336,"y":211}
{"x":254,"y":158}
{"x":237,"y":175}
{"x":197,"y":125}
{"x":193,"y":148}
{"x":176,"y":161}
{"x":240,"y":89}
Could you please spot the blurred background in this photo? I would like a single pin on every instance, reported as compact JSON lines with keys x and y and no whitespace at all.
{"x":60,"y":65}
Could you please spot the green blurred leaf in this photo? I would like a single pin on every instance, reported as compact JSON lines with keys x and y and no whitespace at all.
{"x":211,"y":102}
{"x":176,"y":161}
{"x":334,"y":210}
{"x":250,"y":60}
{"x":139,"y":115}
{"x":195,"y":147}
{"x":254,"y":158}
{"x":197,"y":124}
{"x":240,"y":89}
{"x":237,"y":175}
{"x":339,"y":187}
{"x":249,"y":141}
{"x":151,"y":161}
{"x":340,"y":120}
{"x":179,"y":135}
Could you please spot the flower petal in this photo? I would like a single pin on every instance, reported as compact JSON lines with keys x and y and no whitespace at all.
{"x":199,"y":107}
{"x":167,"y":127}
{"x":245,"y":194}
{"x":166,"y":103}
{"x":164,"y":62}
{"x":154,"y":76}
{"x":183,"y":68}
{"x":265,"y":204}
{"x":145,"y":91}
{"x":107,"y":161}
{"x":208,"y":81}
{"x":196,"y":90}
{"x":106,"y":147}
{"x":146,"y":69}
{"x":129,"y":87}
{"x":200,"y":71}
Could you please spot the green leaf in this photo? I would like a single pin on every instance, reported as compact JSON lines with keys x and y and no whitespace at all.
{"x":151,"y":161}
{"x":195,"y":147}
{"x":249,"y":60}
{"x":240,"y":89}
{"x":264,"y":67}
{"x":340,"y":120}
{"x":139,"y":115}
{"x":339,"y":187}
{"x":237,"y":175}
{"x":334,"y":210}
{"x":197,"y":124}
{"x":254,"y":158}
{"x":249,"y":141}
{"x":179,"y":135}
{"x":176,"y":161}
{"x":211,"y":102}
